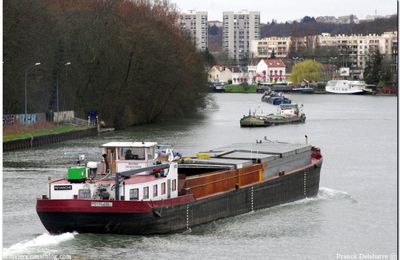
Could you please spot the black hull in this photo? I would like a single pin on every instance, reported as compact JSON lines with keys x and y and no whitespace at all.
{"x":283,"y":189}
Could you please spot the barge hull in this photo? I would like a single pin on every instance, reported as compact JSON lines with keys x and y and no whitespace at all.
{"x":172,"y":218}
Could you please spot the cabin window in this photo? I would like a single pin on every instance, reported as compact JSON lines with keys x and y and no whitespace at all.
{"x":163,"y":188}
{"x":84,"y":193}
{"x":150,"y":153}
{"x":134,"y":194}
{"x":155,"y":190}
{"x":131,"y":153}
{"x":173,"y":185}
{"x":145,"y":192}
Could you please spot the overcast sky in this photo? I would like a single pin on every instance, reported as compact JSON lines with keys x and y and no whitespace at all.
{"x":288,"y":10}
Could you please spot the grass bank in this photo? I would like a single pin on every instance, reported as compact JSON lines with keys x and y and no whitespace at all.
{"x":240,"y":89}
{"x":17,"y":132}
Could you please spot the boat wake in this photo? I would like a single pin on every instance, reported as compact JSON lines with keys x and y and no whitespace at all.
{"x":328,"y":194}
{"x":40,"y":241}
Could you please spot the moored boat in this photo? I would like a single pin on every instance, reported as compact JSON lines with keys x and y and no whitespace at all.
{"x":347,"y":87}
{"x":303,"y":90}
{"x":274,"y":98}
{"x":137,"y":191}
{"x":287,"y":114}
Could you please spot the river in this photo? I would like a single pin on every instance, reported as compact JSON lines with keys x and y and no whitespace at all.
{"x":354,"y":214}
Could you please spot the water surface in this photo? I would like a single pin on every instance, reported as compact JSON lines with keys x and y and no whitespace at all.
{"x":354,"y":212}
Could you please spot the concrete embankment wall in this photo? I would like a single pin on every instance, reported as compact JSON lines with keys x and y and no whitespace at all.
{"x":46,"y":139}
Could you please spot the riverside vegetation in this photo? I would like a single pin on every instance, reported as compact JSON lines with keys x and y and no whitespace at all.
{"x":129,"y":60}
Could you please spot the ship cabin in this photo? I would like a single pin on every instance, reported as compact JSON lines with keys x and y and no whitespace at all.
{"x":289,"y":110}
{"x":134,"y":173}
{"x":124,"y":156}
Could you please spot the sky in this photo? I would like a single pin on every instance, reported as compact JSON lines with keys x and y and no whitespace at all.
{"x":289,"y":10}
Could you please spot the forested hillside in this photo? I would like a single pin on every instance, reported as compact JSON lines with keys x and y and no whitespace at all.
{"x":129,"y":61}
{"x":308,"y":26}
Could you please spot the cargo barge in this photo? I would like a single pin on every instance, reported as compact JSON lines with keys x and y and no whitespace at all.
{"x":136,"y":190}
{"x":287,"y":114}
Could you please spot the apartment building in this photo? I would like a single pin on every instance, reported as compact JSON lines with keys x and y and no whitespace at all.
{"x":265,"y":47}
{"x":196,"y":24}
{"x":354,"y":50}
{"x":239,"y":29}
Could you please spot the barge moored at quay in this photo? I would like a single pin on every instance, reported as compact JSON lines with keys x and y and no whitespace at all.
{"x":137,"y":190}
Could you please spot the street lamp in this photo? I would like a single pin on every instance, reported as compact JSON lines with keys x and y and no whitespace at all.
{"x":58,"y":104}
{"x":26,"y":83}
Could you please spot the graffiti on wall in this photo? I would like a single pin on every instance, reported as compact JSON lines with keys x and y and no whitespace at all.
{"x":29,"y":119}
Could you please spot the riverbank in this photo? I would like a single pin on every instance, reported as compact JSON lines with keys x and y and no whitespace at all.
{"x":18,"y":132}
{"x":240,"y":89}
{"x":37,"y":141}
{"x":19,"y":137}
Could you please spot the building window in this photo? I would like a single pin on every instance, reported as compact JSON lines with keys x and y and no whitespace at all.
{"x":155,"y":190}
{"x":133,"y":194}
{"x":163,"y":188}
{"x":84,"y":193}
{"x":145,"y":192}
{"x":174,"y":185}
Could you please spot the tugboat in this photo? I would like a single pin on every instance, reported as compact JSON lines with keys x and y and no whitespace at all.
{"x":287,"y":114}
{"x":137,"y":190}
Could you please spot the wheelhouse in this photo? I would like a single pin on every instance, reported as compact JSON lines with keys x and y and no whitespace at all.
{"x":124,"y":156}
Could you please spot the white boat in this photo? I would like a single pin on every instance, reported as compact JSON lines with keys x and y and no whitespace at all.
{"x":346,"y":87}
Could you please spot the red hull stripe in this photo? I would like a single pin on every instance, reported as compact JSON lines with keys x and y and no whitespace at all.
{"x":107,"y":206}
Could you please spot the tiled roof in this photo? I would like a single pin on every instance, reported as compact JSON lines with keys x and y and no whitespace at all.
{"x":271,"y":63}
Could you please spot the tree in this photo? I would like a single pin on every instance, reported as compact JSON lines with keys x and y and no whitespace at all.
{"x":373,"y":68}
{"x":379,"y":70}
{"x":213,"y":30}
{"x":209,"y":58}
{"x":306,"y":70}
{"x":130,"y":61}
{"x":308,"y":19}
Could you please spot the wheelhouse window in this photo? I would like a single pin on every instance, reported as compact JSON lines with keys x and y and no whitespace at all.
{"x":173,"y":185}
{"x":163,"y":188}
{"x":155,"y":190}
{"x":150,"y":153}
{"x":84,"y":194}
{"x":131,"y":153}
{"x":133,"y":194}
{"x":145,"y":192}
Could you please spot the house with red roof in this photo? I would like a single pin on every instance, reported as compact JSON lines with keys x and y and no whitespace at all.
{"x":271,"y":71}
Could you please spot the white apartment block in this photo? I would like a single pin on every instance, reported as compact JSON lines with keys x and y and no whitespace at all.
{"x":239,"y":29}
{"x":355,"y":49}
{"x":265,"y":47}
{"x":196,"y":24}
